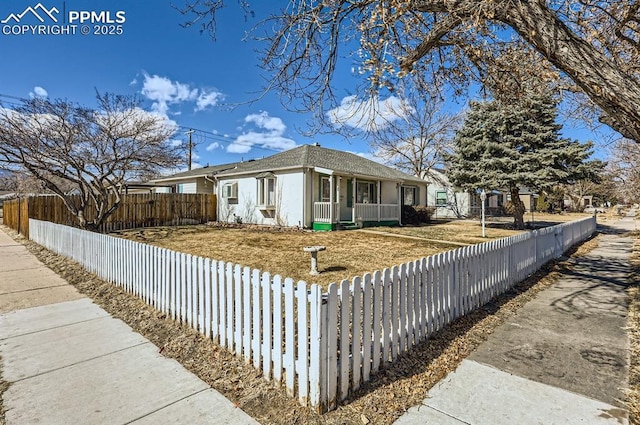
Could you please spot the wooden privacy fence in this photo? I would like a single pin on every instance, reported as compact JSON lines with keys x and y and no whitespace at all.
{"x":16,"y":216}
{"x":321,"y":346}
{"x":135,"y":210}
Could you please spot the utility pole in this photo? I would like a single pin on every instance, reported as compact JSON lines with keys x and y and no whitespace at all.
{"x":190,"y":132}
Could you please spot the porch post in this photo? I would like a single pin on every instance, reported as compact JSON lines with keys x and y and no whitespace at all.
{"x":331,"y":199}
{"x":379,"y":190}
{"x":338,"y":183}
{"x":399,"y":200}
{"x":353,"y":201}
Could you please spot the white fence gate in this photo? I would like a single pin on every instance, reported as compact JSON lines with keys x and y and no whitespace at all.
{"x":321,"y":346}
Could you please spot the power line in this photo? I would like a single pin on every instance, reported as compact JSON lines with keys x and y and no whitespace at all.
{"x":209,"y":135}
{"x":202,"y":134}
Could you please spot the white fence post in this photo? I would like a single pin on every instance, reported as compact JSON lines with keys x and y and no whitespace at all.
{"x":345,"y":338}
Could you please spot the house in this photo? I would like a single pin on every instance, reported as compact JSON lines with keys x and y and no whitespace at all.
{"x":452,"y":202}
{"x":198,"y":180}
{"x":448,"y":201}
{"x":577,"y":203}
{"x":308,"y":186}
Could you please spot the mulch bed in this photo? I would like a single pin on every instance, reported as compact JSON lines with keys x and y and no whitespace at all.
{"x":387,"y":396}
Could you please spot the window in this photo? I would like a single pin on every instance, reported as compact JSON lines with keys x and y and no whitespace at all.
{"x":230,"y":190}
{"x":325,"y":189}
{"x":366,"y":192}
{"x":267,"y":192}
{"x":441,"y":198}
{"x":410,"y":196}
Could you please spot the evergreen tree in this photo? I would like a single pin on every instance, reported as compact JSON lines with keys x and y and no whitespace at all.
{"x":510,"y":147}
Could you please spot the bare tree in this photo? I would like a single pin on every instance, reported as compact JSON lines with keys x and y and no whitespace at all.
{"x":577,"y":191}
{"x":624,"y":167}
{"x":594,"y":43}
{"x":8,"y":181}
{"x":91,"y":151}
{"x":420,"y":133}
{"x":24,"y":184}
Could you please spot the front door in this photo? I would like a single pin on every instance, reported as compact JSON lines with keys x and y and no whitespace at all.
{"x":346,"y":199}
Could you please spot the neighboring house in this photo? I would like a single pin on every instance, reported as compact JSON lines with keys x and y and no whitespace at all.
{"x":448,"y":201}
{"x":309,"y":186}
{"x":452,"y":202}
{"x":199,"y":180}
{"x":578,"y":204}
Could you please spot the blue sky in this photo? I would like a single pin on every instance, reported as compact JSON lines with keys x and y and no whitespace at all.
{"x":196,"y":82}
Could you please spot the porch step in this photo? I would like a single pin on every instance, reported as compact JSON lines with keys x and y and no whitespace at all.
{"x":347,"y":225}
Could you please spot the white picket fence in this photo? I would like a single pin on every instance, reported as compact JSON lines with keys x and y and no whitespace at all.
{"x":321,"y":346}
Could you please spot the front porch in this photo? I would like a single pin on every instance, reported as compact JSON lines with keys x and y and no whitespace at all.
{"x":360,"y":215}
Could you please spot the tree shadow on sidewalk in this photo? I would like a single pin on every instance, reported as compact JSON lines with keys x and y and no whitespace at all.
{"x":411,"y":376}
{"x":599,"y":284}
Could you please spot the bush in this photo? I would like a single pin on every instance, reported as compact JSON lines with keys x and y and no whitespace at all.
{"x":416,"y":215}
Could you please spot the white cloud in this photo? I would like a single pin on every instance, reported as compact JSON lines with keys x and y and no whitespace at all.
{"x":269,"y":134}
{"x":207,"y":99}
{"x":263,"y":120}
{"x":38,"y":92}
{"x":213,"y":146}
{"x":134,"y":81}
{"x":369,"y":115}
{"x":164,"y":93}
{"x":175,"y":143}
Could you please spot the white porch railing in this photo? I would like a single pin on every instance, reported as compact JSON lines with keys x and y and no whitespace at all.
{"x":377,"y":212}
{"x":321,"y":212}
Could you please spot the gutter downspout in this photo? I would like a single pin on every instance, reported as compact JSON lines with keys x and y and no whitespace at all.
{"x":215,"y":185}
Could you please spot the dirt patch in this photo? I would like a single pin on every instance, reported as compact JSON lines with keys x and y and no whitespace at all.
{"x":381,"y":401}
{"x":348,"y":253}
{"x":633,"y":393}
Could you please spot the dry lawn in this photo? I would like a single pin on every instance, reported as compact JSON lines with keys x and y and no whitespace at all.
{"x":459,"y":231}
{"x":388,"y":395}
{"x":633,"y":393}
{"x":348,"y":254}
{"x":470,"y":231}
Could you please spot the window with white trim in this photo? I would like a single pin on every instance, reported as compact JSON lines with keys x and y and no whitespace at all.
{"x":267,"y":192}
{"x":230,"y":192}
{"x":441,"y":198}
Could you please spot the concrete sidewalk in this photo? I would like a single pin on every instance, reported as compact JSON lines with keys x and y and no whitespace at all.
{"x":562,"y":359}
{"x":69,"y":362}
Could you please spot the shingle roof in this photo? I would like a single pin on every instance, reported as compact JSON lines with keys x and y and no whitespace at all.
{"x":316,"y":156}
{"x":198,"y":172}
